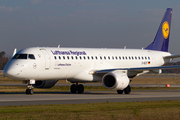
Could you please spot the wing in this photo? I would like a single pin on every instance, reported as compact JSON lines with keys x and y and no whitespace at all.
{"x":138,"y":69}
{"x":172,"y":56}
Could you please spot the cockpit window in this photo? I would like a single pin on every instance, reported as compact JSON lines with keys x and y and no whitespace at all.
{"x":31,"y":56}
{"x":24,"y":56}
{"x":20,"y":56}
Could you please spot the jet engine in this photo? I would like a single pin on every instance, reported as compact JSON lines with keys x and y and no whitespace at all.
{"x":44,"y":83}
{"x":116,"y":80}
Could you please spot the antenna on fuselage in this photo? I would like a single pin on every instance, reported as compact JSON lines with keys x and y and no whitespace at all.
{"x":15,"y":50}
{"x":59,"y":46}
{"x":124,"y":47}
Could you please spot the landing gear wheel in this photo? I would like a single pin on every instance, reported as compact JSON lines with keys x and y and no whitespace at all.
{"x":127,"y":90}
{"x":120,"y":91}
{"x":73,"y":88}
{"x":80,"y":88}
{"x":29,"y":91}
{"x":77,"y":88}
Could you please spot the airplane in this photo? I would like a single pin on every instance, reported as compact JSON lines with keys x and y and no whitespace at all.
{"x":42,"y":67}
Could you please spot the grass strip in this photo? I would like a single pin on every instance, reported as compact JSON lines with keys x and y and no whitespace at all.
{"x":155,"y":110}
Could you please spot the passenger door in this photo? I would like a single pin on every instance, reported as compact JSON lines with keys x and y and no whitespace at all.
{"x":47,"y":59}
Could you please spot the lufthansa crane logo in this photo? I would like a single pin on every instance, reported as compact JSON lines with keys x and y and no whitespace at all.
{"x":165,"y":29}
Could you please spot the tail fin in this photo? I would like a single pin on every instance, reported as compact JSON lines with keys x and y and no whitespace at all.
{"x":161,"y":41}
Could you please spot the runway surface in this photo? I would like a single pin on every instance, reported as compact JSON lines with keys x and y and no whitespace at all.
{"x":132,"y":85}
{"x":42,"y":98}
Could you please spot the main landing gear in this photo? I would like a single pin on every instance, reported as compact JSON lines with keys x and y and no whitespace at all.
{"x":77,"y":88}
{"x":126,"y":90}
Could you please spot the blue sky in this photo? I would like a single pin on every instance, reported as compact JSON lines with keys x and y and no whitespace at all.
{"x":85,"y":23}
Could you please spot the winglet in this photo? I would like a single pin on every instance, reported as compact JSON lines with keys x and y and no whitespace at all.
{"x":161,"y":41}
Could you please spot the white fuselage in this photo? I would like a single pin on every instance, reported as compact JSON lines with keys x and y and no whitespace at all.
{"x":76,"y":64}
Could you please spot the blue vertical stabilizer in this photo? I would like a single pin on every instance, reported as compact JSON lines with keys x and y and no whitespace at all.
{"x":161,"y":41}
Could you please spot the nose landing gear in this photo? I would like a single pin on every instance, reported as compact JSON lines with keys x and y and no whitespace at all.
{"x":77,"y":88}
{"x":29,"y":90}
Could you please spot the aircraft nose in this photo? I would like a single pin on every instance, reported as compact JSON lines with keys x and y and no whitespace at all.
{"x":10,"y":71}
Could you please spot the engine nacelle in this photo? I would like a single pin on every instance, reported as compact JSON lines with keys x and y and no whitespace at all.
{"x":116,"y":80}
{"x":44,"y":83}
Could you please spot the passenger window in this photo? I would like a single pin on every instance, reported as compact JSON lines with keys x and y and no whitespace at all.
{"x":112,"y":57}
{"x":149,"y":58}
{"x":92,"y":57}
{"x":96,"y":57}
{"x":76,"y":57}
{"x":100,"y":57}
{"x":80,"y":57}
{"x":88,"y":57}
{"x":84,"y":57}
{"x":126,"y":58}
{"x":55,"y":57}
{"x":139,"y":58}
{"x":109,"y":58}
{"x":132,"y":58}
{"x":64,"y":57}
{"x":104,"y":57}
{"x":68,"y":57}
{"x":72,"y":57}
{"x":142,"y":58}
{"x":116,"y":58}
{"x":123,"y":58}
{"x":59,"y":57}
{"x":129,"y":57}
{"x":31,"y":56}
{"x":136,"y":58}
{"x":119,"y":57}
